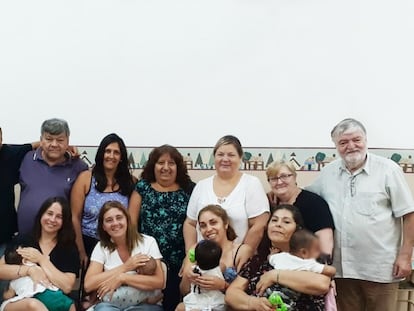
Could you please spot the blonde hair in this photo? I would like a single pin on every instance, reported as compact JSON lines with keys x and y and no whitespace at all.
{"x":274,"y":168}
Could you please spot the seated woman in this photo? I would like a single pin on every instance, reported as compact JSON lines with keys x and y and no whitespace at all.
{"x":247,"y":291}
{"x":215,"y":225}
{"x":52,"y":250}
{"x":117,"y":257}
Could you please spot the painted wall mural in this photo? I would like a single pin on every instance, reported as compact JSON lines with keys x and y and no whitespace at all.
{"x":256,"y":158}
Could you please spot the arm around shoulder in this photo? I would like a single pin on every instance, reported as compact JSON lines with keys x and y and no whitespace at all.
{"x":257,"y":226}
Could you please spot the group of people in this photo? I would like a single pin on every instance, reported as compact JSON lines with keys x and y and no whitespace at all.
{"x":163,"y":242}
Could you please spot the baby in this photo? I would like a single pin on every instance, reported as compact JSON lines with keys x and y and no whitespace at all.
{"x":207,"y":255}
{"x":125,"y":296}
{"x":23,"y":287}
{"x":304,"y":248}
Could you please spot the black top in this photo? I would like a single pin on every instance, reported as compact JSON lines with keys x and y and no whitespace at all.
{"x":11,"y":157}
{"x":64,"y":257}
{"x":315,"y":211}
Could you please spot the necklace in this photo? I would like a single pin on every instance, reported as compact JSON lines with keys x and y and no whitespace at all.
{"x":221,"y":200}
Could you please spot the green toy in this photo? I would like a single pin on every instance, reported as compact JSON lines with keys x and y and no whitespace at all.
{"x":191,"y":255}
{"x":277,"y":302}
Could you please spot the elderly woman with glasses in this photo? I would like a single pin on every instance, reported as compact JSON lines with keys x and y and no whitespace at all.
{"x":314,"y":209}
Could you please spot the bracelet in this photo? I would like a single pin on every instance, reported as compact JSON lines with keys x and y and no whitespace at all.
{"x":18,"y":271}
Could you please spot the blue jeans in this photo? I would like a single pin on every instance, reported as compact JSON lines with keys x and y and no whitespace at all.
{"x":105,"y":306}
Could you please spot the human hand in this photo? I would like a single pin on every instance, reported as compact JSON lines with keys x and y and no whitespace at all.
{"x":73,"y":151}
{"x":190,"y":274}
{"x":259,"y":304}
{"x":38,"y":276}
{"x":109,"y":286}
{"x":210,"y":282}
{"x":402,"y":266}
{"x":135,"y":262}
{"x":31,"y":254}
{"x":266,"y":280}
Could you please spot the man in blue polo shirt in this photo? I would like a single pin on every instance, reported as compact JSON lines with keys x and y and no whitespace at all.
{"x":49,"y":171}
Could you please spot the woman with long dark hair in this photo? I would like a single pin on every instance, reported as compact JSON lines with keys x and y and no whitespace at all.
{"x":110,"y":179}
{"x":52,"y":250}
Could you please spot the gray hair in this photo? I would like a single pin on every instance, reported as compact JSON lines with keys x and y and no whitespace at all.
{"x":345,"y":125}
{"x":55,"y":127}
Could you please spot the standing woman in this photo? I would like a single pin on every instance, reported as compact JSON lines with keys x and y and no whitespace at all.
{"x":52,"y":248}
{"x":241,"y":195}
{"x":118,"y":256}
{"x":159,"y":205}
{"x":315,"y":211}
{"x":109,"y":180}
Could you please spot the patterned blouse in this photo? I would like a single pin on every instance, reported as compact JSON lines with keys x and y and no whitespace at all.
{"x":254,"y":268}
{"x":162,"y":216}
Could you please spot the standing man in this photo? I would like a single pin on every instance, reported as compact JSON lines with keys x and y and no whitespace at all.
{"x":49,"y":171}
{"x":372,"y":208}
{"x":10,"y":158}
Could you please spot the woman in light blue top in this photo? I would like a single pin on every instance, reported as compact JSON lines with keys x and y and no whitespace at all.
{"x":109,"y":180}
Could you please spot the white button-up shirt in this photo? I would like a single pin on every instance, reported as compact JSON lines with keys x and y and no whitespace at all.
{"x":367,"y":207}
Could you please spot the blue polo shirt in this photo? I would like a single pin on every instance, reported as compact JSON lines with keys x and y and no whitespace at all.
{"x":39,"y":181}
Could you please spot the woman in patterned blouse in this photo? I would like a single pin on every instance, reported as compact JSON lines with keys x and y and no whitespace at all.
{"x":158,"y":205}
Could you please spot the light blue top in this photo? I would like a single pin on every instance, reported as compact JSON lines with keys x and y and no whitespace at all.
{"x":93,"y":203}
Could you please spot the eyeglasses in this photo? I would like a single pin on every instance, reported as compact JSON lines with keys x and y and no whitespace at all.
{"x":282,"y":178}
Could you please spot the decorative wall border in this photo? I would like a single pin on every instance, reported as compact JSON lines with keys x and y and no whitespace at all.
{"x":257,"y":158}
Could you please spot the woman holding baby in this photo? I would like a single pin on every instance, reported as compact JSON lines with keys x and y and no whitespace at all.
{"x":248,"y":290}
{"x":116,"y":262}
{"x":53,"y":255}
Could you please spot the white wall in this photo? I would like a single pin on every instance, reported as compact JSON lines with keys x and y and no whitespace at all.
{"x":186,"y":72}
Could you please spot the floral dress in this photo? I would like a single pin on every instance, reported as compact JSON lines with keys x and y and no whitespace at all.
{"x":295,"y":301}
{"x":162,"y":216}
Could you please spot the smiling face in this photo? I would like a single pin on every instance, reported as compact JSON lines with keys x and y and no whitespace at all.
{"x":165,"y":170}
{"x":352,"y":147}
{"x":112,"y":157}
{"x":52,"y":219}
{"x":281,"y":227}
{"x":212,"y":226}
{"x":227,"y":160}
{"x":115,"y":223}
{"x":283,"y":182}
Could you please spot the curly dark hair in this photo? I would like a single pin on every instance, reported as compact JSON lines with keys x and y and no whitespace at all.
{"x":183,"y":179}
